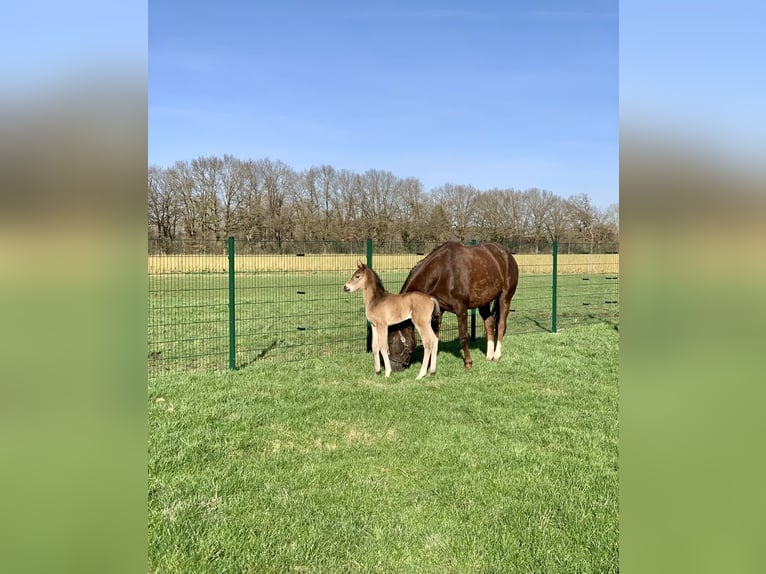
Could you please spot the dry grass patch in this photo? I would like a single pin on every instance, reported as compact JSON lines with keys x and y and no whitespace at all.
{"x":528,"y":264}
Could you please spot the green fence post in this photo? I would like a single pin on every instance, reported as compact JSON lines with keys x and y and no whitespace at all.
{"x":369,"y":264}
{"x":555,"y":286}
{"x":473,"y":311}
{"x":232,"y":317}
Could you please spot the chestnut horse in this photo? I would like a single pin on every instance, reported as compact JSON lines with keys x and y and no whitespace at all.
{"x":383,"y":309}
{"x":462,"y":278}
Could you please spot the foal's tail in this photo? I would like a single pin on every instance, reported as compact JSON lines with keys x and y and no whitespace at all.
{"x":436,"y":316}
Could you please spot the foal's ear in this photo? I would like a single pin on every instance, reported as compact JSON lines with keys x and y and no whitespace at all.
{"x":359,"y":264}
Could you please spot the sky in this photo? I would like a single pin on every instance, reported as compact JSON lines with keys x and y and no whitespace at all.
{"x":700,"y":81}
{"x":505,"y":94}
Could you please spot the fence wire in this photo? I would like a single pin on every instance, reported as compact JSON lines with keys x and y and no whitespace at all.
{"x":289,"y":301}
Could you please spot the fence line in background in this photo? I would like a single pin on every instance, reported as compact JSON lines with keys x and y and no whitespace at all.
{"x":233,"y":300}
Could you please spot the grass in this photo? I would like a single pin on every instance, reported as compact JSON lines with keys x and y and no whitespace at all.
{"x":320,"y":466}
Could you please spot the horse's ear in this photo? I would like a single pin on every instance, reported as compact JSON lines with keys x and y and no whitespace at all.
{"x":359,"y":264}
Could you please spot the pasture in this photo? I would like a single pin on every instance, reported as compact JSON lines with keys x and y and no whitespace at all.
{"x":294,"y":307}
{"x":320,"y":466}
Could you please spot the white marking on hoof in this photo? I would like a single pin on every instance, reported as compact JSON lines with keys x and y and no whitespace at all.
{"x":490,"y":350}
{"x":498,"y":351}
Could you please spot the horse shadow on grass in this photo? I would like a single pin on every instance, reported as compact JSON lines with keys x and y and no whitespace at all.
{"x":260,"y":354}
{"x":613,"y":324}
{"x":538,"y":324}
{"x":590,"y":319}
{"x":453,"y":347}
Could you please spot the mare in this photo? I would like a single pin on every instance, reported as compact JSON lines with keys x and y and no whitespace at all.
{"x":383,"y":309}
{"x":461,"y":278}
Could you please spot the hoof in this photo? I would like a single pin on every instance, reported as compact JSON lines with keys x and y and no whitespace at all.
{"x":469,"y":365}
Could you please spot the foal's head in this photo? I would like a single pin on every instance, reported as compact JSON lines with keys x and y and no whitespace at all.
{"x":363,"y":277}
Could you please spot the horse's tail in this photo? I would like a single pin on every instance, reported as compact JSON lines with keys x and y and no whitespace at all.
{"x":436,"y":315}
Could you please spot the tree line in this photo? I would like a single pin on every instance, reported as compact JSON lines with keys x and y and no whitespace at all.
{"x":211,"y":198}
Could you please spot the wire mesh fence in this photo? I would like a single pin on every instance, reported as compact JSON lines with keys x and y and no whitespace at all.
{"x":188,"y":308}
{"x":283,"y":300}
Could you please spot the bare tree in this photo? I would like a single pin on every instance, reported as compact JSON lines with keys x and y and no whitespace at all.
{"x":250,"y":212}
{"x":583,"y":218}
{"x":349,"y":206}
{"x":279,"y":181}
{"x":439,"y":227}
{"x":458,"y":202}
{"x":230,"y":193}
{"x":538,"y":205}
{"x":305,"y":205}
{"x":382,"y":194}
{"x":316,"y":202}
{"x":181,"y":179}
{"x":494,"y":216}
{"x":211,"y":198}
{"x":328,"y":191}
{"x":164,"y":207}
{"x":609,"y":224}
{"x":556,"y":223}
{"x":207,"y":174}
{"x":414,"y":210}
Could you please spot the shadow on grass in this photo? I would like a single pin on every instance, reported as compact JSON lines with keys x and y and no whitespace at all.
{"x":589,"y":319}
{"x":259,"y":355}
{"x":545,"y":328}
{"x":453,"y":347}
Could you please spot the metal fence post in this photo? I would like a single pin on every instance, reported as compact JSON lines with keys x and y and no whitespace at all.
{"x":473,"y":311}
{"x":369,"y":264}
{"x":554,"y":283}
{"x":232,"y":316}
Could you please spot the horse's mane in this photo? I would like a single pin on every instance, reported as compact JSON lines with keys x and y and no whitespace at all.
{"x":378,"y":282}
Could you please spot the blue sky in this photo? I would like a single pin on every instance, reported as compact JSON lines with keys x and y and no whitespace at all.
{"x":493,"y":94}
{"x":700,"y":79}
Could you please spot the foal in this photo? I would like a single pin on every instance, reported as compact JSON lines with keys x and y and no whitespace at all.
{"x":383,"y":309}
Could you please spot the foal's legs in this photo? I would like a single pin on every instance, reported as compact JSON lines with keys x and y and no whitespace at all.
{"x":382,"y":331}
{"x":430,"y":345}
{"x":426,"y":353}
{"x":433,"y":347}
{"x":376,"y":349}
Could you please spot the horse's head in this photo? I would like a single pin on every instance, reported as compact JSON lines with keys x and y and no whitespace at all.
{"x":357,"y":279}
{"x":401,"y":343}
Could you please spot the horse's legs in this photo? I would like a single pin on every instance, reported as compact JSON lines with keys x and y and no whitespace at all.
{"x":489,"y":329}
{"x":504,"y":308}
{"x":462,"y":328}
{"x":382,"y":330}
{"x":376,"y":349}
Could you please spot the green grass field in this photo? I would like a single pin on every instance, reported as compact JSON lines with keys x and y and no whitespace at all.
{"x":319,"y":466}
